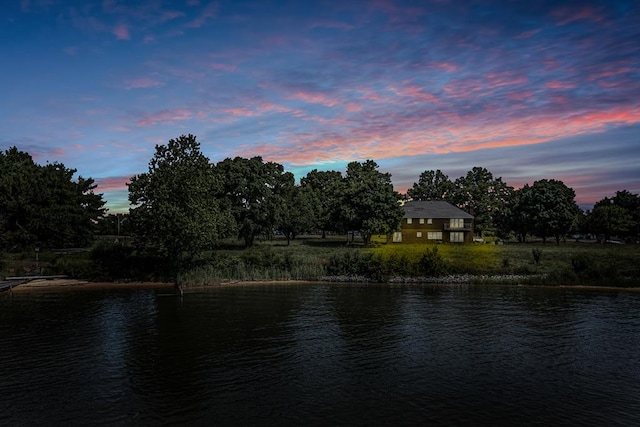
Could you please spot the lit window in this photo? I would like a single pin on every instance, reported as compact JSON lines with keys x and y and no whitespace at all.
{"x":409,"y":220}
{"x":397,"y":237}
{"x":456,"y":223}
{"x":430,"y":221}
{"x":456,"y":237}
{"x":434,"y":235}
{"x":419,"y":234}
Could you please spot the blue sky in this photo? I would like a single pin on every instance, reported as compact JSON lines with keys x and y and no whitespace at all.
{"x":529,"y":90}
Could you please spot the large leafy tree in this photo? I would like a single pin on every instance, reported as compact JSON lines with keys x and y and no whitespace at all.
{"x":619,"y":215}
{"x":45,"y":205}
{"x":255,"y":191}
{"x":432,"y":185}
{"x":299,"y":211}
{"x":481,"y":195}
{"x":371,"y":206}
{"x":610,"y":220}
{"x":549,"y":208}
{"x":327,"y":189}
{"x":174,"y":206}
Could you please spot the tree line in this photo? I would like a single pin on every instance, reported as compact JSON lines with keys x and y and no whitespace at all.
{"x":184,"y":203}
{"x":545,"y":209}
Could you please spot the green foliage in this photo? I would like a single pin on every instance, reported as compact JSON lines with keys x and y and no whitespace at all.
{"x":352,"y":263}
{"x":483,"y":196}
{"x":176,"y":212}
{"x":432,"y":185}
{"x":256,"y":192}
{"x":370,"y":205}
{"x":44,"y":205}
{"x":546,"y":209}
{"x":432,"y":264}
{"x":327,"y":190}
{"x":618,"y":216}
{"x":298,"y":213}
{"x":537,"y":255}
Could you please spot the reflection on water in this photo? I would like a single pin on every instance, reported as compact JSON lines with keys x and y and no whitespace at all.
{"x":322,"y":354}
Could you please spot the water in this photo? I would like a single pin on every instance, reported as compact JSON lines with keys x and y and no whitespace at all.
{"x":322,"y":355}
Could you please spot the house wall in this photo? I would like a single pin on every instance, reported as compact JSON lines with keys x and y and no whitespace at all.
{"x":438,"y":225}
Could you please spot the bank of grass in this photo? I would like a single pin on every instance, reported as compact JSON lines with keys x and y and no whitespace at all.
{"x":313,"y":258}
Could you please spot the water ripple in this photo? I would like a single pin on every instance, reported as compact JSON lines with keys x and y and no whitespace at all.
{"x":317,"y":354}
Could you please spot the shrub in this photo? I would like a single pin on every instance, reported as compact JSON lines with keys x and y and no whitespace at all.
{"x":537,"y":255}
{"x":580,"y":263}
{"x":432,"y":264}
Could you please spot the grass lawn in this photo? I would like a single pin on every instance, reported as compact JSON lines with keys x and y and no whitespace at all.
{"x":310,"y":257}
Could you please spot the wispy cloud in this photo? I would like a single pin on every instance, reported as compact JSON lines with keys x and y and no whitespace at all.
{"x":208,"y":13}
{"x":165,"y":117}
{"x":121,"y":31}
{"x":142,"y":83}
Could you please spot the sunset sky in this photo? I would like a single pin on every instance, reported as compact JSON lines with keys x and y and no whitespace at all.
{"x":528,"y":89}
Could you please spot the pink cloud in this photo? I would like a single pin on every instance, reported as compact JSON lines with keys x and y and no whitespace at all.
{"x":121,"y":31}
{"x":496,"y":80}
{"x":112,"y":183}
{"x":415,"y":135}
{"x":331,"y":24}
{"x":240,"y":111}
{"x":142,"y":83}
{"x":567,"y":15}
{"x":446,"y":66}
{"x":314,"y":98}
{"x":417,"y":93}
{"x":353,"y":107}
{"x":527,"y":34}
{"x":520,"y":96}
{"x":164,"y":117}
{"x":559,"y":85}
{"x":261,"y":109}
{"x":223,"y":67}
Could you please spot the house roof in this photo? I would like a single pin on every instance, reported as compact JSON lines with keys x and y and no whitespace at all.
{"x":433,"y":209}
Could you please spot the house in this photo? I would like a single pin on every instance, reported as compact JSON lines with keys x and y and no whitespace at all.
{"x":434,"y":221}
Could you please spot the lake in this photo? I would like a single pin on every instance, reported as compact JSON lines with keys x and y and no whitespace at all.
{"x":322,"y":354}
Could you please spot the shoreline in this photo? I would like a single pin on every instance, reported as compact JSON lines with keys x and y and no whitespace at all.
{"x":53,"y":285}
{"x":70,"y":285}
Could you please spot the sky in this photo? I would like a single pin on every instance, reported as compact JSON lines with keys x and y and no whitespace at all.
{"x":529,"y":90}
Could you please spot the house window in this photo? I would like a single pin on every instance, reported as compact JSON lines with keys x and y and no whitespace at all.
{"x":409,"y":220}
{"x":421,"y":220}
{"x":430,"y":221}
{"x":397,"y":237}
{"x":456,"y":223}
{"x":456,"y":237}
{"x":434,"y":235}
{"x":419,"y":234}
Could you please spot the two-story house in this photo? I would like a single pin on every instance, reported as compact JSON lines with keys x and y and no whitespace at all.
{"x":434,"y":221}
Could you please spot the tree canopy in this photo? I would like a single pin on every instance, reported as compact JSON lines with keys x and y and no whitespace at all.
{"x":371,"y":206}
{"x":175,"y":210}
{"x":548,"y":208}
{"x":432,"y":185}
{"x":481,"y":195}
{"x":327,"y":189}
{"x":45,"y":205}
{"x":255,"y":191}
{"x":616,"y":216}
